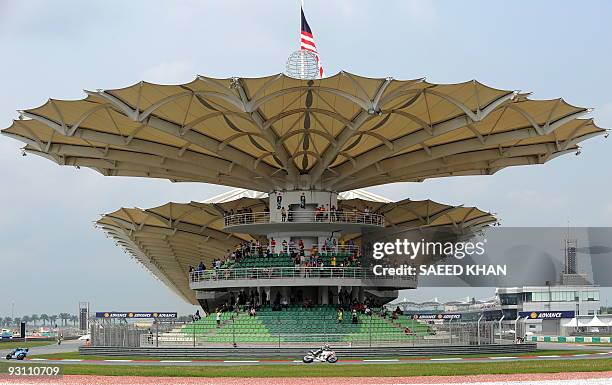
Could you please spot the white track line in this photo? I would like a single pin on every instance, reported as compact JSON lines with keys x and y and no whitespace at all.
{"x":602,"y":353}
{"x":501,"y":358}
{"x":548,"y":356}
{"x":381,"y":360}
{"x":581,"y":355}
{"x":71,"y":360}
{"x":175,"y":361}
{"x":37,"y":359}
{"x":118,"y":360}
{"x":445,"y":359}
{"x":239,"y":361}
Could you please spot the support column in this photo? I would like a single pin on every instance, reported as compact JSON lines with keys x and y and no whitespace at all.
{"x":324,"y":295}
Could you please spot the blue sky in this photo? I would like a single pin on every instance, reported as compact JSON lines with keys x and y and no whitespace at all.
{"x":58,"y":48}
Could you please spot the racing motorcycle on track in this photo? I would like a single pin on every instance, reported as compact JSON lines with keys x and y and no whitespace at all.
{"x":325,"y":354}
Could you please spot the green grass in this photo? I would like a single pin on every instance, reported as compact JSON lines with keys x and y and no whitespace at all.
{"x":76,"y":355}
{"x":329,"y":370}
{"x":28,"y":344}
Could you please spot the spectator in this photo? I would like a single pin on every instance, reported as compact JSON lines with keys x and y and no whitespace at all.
{"x":340,"y":316}
{"x":354,"y":317}
{"x":218,"y":318}
{"x":283,"y":214}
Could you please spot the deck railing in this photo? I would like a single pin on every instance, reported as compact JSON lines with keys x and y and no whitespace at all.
{"x":253,"y":273}
{"x":356,"y":217}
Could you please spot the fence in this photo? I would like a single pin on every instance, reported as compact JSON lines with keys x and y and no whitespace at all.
{"x":236,"y":330}
{"x":305,"y":217}
{"x":290,"y":272}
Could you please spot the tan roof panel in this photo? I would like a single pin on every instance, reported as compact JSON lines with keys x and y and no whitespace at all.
{"x":276,"y":132}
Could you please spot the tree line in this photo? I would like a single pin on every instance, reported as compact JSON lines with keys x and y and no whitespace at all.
{"x":61,"y":319}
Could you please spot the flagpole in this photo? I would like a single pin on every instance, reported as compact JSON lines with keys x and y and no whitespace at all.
{"x":303,"y":70}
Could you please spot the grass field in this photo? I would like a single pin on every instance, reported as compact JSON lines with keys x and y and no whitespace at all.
{"x":328,"y":370}
{"x":76,"y":355}
{"x":28,"y":344}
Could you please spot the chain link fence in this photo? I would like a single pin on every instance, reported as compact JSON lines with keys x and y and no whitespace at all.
{"x":240,"y":330}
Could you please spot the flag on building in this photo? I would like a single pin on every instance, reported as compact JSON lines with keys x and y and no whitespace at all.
{"x":307,"y":41}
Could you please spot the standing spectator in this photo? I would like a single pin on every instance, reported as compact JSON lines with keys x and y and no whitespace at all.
{"x":283,"y":214}
{"x":340,"y":316}
{"x":273,"y":245}
{"x":354,"y":317}
{"x":218,"y":318}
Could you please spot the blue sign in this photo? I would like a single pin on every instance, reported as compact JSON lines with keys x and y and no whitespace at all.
{"x":439,"y":316}
{"x":547,"y":314}
{"x":116,"y":314}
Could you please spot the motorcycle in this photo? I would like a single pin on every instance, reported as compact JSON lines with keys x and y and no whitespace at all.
{"x":17,"y":354}
{"x":321,"y":356}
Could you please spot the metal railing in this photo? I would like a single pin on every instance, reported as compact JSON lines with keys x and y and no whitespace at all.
{"x":288,"y":273}
{"x":321,"y":248}
{"x":358,"y":217}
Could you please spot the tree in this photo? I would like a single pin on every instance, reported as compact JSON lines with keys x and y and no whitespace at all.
{"x":34,"y":318}
{"x":44,"y":318}
{"x":64,"y":317}
{"x":16,"y":320}
{"x":8,"y":321}
{"x":74,"y":319}
{"x":25,"y":318}
{"x":53,"y":318}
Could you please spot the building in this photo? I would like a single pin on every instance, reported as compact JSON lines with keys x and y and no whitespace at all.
{"x":547,"y":303}
{"x":300,"y":150}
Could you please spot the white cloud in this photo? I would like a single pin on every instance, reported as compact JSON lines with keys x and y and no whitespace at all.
{"x":170,"y":72}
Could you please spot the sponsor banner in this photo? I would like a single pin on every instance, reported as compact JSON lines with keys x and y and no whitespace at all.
{"x":439,"y":316}
{"x":115,"y":314}
{"x":547,"y":314}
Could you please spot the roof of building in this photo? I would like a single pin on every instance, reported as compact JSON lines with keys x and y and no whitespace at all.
{"x":338,"y":133}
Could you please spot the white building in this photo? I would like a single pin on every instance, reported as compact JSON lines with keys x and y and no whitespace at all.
{"x":545,"y":303}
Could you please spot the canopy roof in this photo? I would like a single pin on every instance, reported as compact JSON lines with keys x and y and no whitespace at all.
{"x":170,"y":238}
{"x":338,"y":133}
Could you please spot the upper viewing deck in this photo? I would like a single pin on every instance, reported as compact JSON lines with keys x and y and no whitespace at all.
{"x":302,"y":220}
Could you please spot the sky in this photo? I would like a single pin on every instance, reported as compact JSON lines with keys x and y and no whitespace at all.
{"x":49,"y":248}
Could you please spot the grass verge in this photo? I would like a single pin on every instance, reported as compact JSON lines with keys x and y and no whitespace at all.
{"x":28,"y":344}
{"x":329,"y":370}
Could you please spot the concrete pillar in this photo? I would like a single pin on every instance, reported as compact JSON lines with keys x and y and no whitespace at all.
{"x":324,"y":295}
{"x":354,"y":293}
{"x":285,"y":293}
{"x":267,"y":297}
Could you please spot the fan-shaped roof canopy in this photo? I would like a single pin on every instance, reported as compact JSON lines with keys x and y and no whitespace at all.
{"x":170,"y":238}
{"x":338,"y":133}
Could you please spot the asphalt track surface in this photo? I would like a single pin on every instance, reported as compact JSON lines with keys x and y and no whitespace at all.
{"x":72,"y":346}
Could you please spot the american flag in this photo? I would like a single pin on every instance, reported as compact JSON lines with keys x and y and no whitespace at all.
{"x":307,"y":41}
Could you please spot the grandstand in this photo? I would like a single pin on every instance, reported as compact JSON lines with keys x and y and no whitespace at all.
{"x":299,"y":151}
{"x":297,"y":324}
